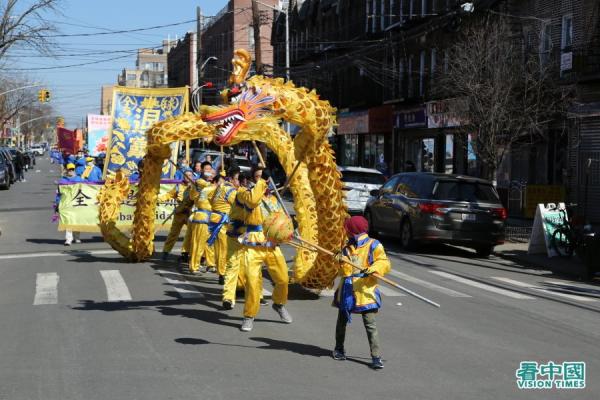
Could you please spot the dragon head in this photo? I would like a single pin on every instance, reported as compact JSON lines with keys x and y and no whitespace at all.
{"x":247,"y":107}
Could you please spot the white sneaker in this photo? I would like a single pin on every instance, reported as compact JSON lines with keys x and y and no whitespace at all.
{"x":77,"y":240}
{"x":247,"y":324}
{"x":67,"y":243}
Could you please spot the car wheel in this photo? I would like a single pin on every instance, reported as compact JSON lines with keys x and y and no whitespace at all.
{"x":484,"y":251}
{"x":406,"y":235}
{"x":369,"y":218}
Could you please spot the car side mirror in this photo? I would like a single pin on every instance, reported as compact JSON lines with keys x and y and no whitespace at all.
{"x":374,"y":193}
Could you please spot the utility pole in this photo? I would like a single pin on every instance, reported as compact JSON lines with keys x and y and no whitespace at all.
{"x":257,"y":46}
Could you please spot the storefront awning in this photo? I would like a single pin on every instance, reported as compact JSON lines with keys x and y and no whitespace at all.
{"x":378,"y":120}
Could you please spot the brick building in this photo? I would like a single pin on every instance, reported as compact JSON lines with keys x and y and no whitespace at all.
{"x":231,"y":29}
{"x":181,"y":62}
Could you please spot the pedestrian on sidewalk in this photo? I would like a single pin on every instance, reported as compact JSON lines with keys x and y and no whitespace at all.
{"x":20,"y":166}
{"x":357,"y":292}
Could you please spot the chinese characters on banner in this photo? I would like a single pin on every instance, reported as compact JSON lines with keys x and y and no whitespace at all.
{"x":78,"y":207}
{"x":97,"y":137}
{"x":134,"y":111}
{"x":67,"y":141}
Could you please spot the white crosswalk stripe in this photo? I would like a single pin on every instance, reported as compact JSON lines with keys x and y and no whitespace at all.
{"x":541,"y":289}
{"x":183,"y":287}
{"x":482,"y":286}
{"x":116,"y":288}
{"x":428,"y":285}
{"x":46,"y":289}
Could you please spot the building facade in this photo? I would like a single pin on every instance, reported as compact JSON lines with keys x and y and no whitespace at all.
{"x":151,"y":69}
{"x":232,"y":28}
{"x":380,"y":62}
{"x":181,"y":62}
{"x":106,"y":96}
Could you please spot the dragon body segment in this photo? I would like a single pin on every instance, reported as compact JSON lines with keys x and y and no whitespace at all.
{"x":256,"y":107}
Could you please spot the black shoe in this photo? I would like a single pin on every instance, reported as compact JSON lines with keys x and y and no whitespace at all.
{"x":184,"y":257}
{"x":227,"y":305}
{"x":221,"y":280}
{"x":264,"y":302}
{"x":377,"y":364}
{"x":165,"y":256}
{"x":339,"y":355}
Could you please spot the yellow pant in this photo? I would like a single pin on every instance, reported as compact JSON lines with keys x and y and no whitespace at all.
{"x":220,"y":246}
{"x":179,"y":220}
{"x":234,"y":276}
{"x":198,"y":236}
{"x":252,"y":259}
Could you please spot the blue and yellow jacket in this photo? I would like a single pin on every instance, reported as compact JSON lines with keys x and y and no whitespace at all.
{"x":358,"y":292}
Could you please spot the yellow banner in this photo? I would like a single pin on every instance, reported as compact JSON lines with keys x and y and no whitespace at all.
{"x":78,"y":208}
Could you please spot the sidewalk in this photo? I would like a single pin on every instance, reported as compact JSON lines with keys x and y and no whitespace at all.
{"x":573,"y":267}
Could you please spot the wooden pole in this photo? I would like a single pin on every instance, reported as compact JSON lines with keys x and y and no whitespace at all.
{"x":375,"y":274}
{"x":262,"y":161}
{"x":288,"y":181}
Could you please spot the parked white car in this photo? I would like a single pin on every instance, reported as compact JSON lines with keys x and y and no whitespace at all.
{"x":358,"y":183}
{"x":38,"y":149}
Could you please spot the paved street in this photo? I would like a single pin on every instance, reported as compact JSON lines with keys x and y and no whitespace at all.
{"x":79,"y":323}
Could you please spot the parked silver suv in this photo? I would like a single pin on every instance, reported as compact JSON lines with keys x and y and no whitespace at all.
{"x":425,"y":207}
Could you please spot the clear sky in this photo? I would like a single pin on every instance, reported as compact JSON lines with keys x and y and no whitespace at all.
{"x":76,"y":90}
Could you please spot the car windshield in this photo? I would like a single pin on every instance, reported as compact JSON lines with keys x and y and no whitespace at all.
{"x":465,"y":191}
{"x":363,"y":177}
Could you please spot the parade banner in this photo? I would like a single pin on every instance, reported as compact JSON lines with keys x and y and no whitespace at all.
{"x":66,"y":140}
{"x":133,"y":112}
{"x":97,"y":137}
{"x":78,"y":207}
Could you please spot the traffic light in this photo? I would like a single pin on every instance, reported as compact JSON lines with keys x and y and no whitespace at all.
{"x":43,"y":95}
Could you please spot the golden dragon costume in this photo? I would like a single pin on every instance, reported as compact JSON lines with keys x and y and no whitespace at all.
{"x":256,"y":107}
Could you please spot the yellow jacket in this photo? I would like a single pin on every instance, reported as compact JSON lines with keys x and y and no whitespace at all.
{"x":184,"y":203}
{"x":253,"y":219}
{"x":222,"y":200}
{"x":237,"y":215}
{"x":369,"y":254}
{"x":200,"y":194}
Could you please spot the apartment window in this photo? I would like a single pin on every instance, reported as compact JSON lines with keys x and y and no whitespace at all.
{"x":546,"y":44}
{"x":382,"y":16}
{"x":410,"y":75}
{"x":401,"y":78}
{"x":367,"y":16}
{"x":373,"y":15}
{"x":422,"y":73}
{"x":423,"y":8}
{"x":567,"y":31}
{"x":446,"y":58}
{"x":251,"y":37}
{"x":433,"y":64}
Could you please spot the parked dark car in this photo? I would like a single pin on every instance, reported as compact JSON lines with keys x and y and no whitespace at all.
{"x":4,"y":174}
{"x":423,"y":207}
{"x":7,"y":156}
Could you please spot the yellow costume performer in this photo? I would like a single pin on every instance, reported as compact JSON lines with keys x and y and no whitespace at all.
{"x":199,"y":220}
{"x":181,"y":193}
{"x":221,"y":202}
{"x":256,"y":250}
{"x":234,"y":277}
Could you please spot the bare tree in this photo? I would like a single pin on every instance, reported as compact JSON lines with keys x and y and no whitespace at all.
{"x":15,"y":101}
{"x":509,"y":95}
{"x":24,"y":23}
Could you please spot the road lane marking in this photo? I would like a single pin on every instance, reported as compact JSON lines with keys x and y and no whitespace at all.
{"x":116,"y":288}
{"x":428,"y":285}
{"x":183,"y":287}
{"x":55,"y":254}
{"x":387,"y":292}
{"x":482,"y":286}
{"x":46,"y":289}
{"x":541,"y":289}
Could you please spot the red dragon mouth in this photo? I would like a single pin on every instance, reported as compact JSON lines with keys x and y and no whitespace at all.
{"x":228,"y":124}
